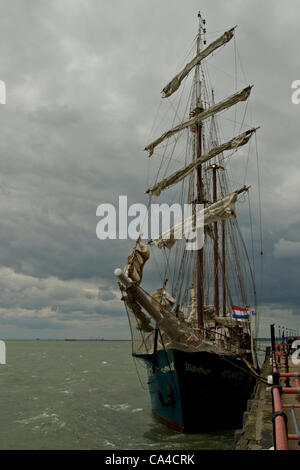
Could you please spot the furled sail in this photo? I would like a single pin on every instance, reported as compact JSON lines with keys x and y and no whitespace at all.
{"x":216,"y":108}
{"x":174,"y":84}
{"x":220,"y":210}
{"x":232,"y":144}
{"x":163,"y":298}
{"x":143,"y":322}
{"x":136,"y":261}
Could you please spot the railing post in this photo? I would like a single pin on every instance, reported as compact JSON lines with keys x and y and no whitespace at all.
{"x":279,"y":422}
{"x":272,"y":339}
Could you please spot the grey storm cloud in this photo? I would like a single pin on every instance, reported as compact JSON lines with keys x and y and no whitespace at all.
{"x":83,"y":86}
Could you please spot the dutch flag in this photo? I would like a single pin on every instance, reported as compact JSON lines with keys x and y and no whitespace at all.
{"x":240,"y":313}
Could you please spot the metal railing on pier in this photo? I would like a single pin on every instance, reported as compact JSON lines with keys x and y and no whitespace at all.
{"x":282,"y":349}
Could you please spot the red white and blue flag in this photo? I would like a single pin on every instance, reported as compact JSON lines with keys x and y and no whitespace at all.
{"x":240,"y":313}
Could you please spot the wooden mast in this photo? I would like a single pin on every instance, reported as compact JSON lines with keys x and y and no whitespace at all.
{"x":199,"y":251}
{"x":223,"y":270}
{"x":200,"y":198}
{"x":216,"y":242}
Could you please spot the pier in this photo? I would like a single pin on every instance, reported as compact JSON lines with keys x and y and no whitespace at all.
{"x":272,"y":419}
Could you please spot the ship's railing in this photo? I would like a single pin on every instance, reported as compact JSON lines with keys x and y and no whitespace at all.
{"x":223,"y":339}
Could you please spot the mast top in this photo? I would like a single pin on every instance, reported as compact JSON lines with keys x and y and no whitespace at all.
{"x":201,"y":29}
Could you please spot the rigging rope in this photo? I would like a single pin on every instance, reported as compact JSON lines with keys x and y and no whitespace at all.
{"x":260,"y":221}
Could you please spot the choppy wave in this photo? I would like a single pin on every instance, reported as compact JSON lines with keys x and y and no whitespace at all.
{"x":118,"y":407}
{"x":82,"y":395}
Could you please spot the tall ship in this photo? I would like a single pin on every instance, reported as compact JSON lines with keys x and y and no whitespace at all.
{"x":196,"y":331}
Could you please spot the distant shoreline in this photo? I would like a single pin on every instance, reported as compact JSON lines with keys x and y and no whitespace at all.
{"x":84,"y":339}
{"x":62,"y":339}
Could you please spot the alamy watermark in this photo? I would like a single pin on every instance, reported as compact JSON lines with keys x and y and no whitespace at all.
{"x":296,"y":353}
{"x":296,"y":94}
{"x":2,"y":92}
{"x":2,"y":353}
{"x":137,"y":220}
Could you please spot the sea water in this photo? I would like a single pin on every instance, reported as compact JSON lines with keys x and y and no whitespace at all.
{"x":80,"y":395}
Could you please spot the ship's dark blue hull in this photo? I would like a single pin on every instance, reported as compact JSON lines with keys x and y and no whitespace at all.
{"x":199,"y":391}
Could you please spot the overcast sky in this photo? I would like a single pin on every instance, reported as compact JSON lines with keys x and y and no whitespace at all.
{"x":83,"y":82}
